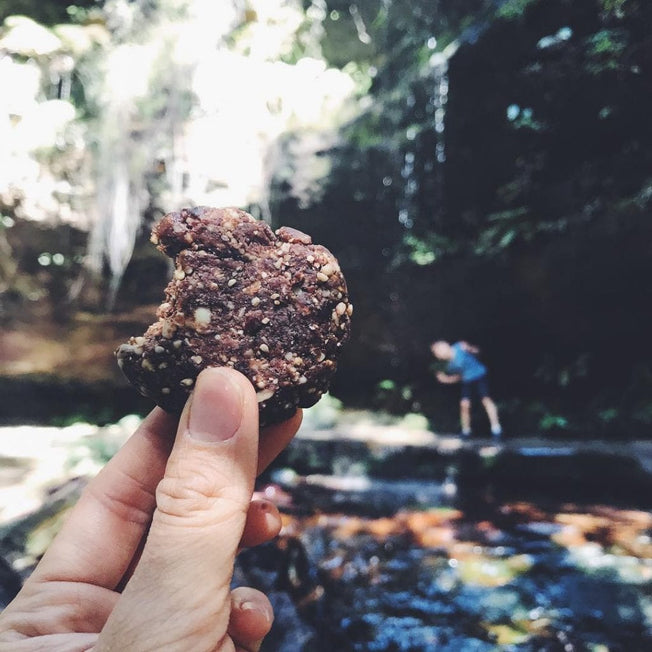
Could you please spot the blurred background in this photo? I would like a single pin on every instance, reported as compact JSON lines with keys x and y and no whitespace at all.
{"x":482,"y":169}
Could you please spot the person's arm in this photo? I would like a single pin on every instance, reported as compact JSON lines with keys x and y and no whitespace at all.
{"x":448,"y":379}
{"x":470,"y":348}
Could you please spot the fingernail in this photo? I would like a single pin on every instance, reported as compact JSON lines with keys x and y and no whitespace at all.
{"x":215,"y":407}
{"x":262,"y":609}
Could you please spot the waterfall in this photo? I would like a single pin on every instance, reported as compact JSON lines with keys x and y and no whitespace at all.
{"x":439,"y":100}
{"x":143,"y":100}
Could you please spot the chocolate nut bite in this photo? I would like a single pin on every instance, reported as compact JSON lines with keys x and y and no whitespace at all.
{"x":272,"y":305}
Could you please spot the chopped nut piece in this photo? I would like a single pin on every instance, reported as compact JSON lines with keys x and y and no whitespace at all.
{"x":203,"y":316}
{"x":264,"y":395}
{"x":147,"y":365}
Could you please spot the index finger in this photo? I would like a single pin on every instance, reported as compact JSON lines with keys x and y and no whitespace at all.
{"x":99,"y":538}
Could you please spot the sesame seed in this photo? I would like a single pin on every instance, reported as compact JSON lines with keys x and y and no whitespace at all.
{"x":179,"y":274}
{"x":187,"y":382}
{"x":255,"y":301}
{"x":177,"y":344}
{"x":264,"y":320}
{"x":231,"y":282}
{"x":322,"y":277}
{"x":159,"y":349}
{"x":197,"y":359}
{"x":264,"y":348}
{"x":340,"y":308}
{"x":165,"y":390}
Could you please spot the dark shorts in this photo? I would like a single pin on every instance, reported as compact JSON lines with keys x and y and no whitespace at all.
{"x":480,"y":386}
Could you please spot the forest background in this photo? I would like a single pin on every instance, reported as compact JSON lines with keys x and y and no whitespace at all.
{"x":481,"y":168}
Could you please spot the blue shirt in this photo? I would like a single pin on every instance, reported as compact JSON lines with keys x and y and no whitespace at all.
{"x":465,"y":364}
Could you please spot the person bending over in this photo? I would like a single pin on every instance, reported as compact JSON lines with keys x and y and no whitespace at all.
{"x":464,"y":367}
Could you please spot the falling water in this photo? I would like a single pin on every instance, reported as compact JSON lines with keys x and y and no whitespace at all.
{"x":141,"y":96}
{"x":437,"y":109}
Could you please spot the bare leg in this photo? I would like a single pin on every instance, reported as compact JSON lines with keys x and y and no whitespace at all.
{"x":465,"y":416}
{"x":492,"y":413}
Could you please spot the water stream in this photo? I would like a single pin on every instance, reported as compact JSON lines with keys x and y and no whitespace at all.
{"x":449,"y":563}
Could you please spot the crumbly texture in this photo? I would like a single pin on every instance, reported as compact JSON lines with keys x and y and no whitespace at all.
{"x":272,"y":305}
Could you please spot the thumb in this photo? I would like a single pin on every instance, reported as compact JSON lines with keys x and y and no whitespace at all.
{"x":179,"y":593}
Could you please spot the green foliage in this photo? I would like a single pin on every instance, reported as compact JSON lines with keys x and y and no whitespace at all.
{"x":513,"y":9}
{"x":553,"y":422}
{"x":527,"y":234}
{"x":605,"y":50}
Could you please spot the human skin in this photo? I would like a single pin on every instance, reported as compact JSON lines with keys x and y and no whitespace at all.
{"x":145,"y":559}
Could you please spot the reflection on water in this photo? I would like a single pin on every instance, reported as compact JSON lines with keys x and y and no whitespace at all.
{"x":398,"y":565}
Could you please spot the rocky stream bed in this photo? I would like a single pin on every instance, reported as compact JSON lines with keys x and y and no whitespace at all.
{"x":395,"y":538}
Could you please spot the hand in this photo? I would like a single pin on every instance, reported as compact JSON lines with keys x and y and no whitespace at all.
{"x":145,"y":559}
{"x":441,"y":377}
